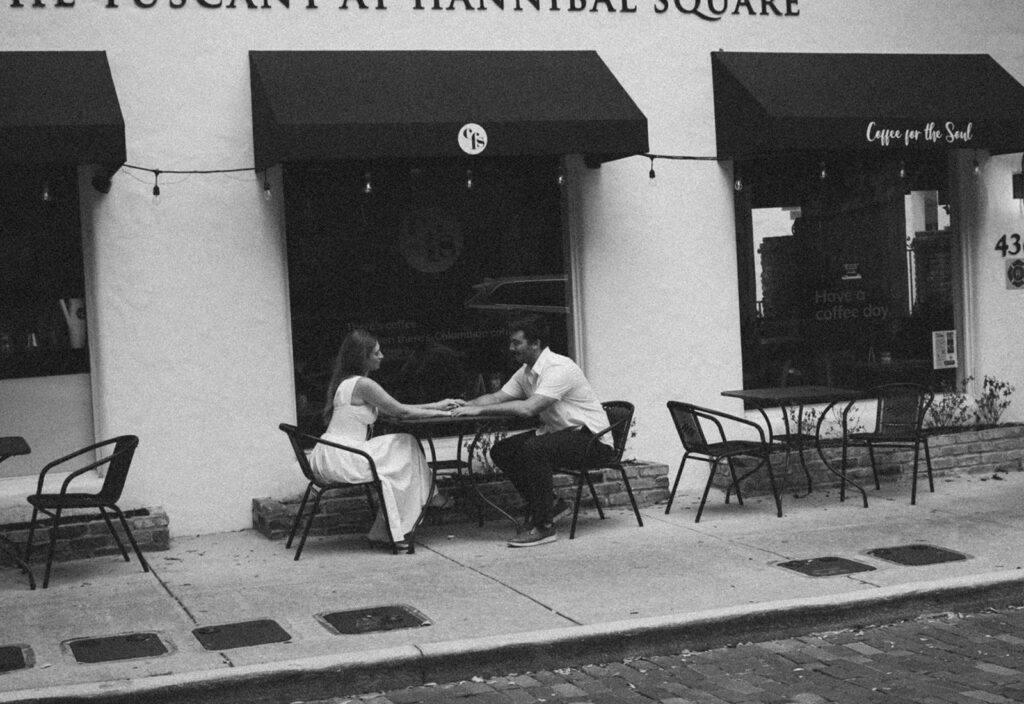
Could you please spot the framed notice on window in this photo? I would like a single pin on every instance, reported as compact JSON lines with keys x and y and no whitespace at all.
{"x":943,"y":349}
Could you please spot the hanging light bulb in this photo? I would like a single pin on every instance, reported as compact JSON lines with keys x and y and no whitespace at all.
{"x":156,"y":186}
{"x":650,"y":174}
{"x":977,"y":166}
{"x":267,"y":195}
{"x":560,"y":177}
{"x":367,"y":183}
{"x":47,"y":195}
{"x":469,"y":179}
{"x":903,"y":169}
{"x":737,"y":182}
{"x":822,"y":171}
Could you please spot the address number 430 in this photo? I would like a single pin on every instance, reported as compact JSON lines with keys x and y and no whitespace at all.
{"x":1009,"y":245}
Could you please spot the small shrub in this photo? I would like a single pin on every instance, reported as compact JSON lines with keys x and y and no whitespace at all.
{"x":952,"y":410}
{"x":993,"y":400}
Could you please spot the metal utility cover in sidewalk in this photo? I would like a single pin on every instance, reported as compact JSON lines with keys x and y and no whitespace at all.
{"x":121,"y":647}
{"x":378,"y":618}
{"x":15,"y":657}
{"x":917,"y":554}
{"x":237,"y":635}
{"x":826,"y":566}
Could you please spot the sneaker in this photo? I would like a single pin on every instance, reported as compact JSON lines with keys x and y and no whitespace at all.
{"x":535,"y":536}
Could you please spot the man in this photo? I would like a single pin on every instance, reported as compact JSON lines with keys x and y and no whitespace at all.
{"x":552,"y":388}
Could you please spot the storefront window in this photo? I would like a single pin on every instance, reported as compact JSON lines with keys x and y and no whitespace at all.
{"x":848,"y":273}
{"x":42,"y":289}
{"x":400,"y":249}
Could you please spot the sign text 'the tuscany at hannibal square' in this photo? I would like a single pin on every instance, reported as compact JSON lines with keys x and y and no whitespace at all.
{"x":708,"y":10}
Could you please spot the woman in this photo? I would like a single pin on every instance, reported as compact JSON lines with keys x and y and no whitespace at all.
{"x":353,"y":402}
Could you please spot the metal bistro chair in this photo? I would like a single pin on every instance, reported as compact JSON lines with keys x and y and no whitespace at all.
{"x":117,"y":463}
{"x":899,"y":422}
{"x":620,"y":415}
{"x":687,"y":419}
{"x":317,"y":487}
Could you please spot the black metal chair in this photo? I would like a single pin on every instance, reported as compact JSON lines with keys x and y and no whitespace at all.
{"x":620,"y":417}
{"x":53,"y":504}
{"x":317,"y":487}
{"x":687,"y":419}
{"x":899,"y":423}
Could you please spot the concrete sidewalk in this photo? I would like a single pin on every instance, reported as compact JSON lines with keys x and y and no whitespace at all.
{"x":615,"y":591}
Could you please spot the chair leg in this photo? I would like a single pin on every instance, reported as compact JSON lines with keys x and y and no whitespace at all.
{"x":874,"y":469}
{"x":131,"y":538}
{"x":842,"y":471}
{"x":31,"y":532}
{"x":675,"y":484}
{"x":632,"y":500}
{"x":928,"y":465}
{"x":298,"y":516}
{"x":735,"y":482}
{"x":913,"y":484}
{"x":593,"y":494}
{"x":117,"y":538}
{"x":53,"y":547}
{"x":576,"y":505}
{"x":309,"y":524}
{"x":704,"y":496}
{"x":775,"y":490}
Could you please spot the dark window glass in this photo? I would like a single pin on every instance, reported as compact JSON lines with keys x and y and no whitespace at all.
{"x":847,"y":272}
{"x":41,"y":266}
{"x":400,"y":249}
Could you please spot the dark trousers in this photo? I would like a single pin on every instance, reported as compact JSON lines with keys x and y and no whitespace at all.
{"x":529,"y":461}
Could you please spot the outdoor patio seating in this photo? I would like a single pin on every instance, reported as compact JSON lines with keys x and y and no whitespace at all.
{"x":117,"y":464}
{"x":899,"y":423}
{"x":620,"y":416}
{"x":690,"y":420}
{"x":317,"y":487}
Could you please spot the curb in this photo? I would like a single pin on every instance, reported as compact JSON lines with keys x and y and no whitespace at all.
{"x":393,"y":668}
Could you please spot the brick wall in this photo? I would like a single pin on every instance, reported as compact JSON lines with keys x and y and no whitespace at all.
{"x":987,"y":451}
{"x":345,"y":511}
{"x":86,"y":535}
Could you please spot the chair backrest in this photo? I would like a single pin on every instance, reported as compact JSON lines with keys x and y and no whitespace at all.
{"x":620,"y":417}
{"x":687,"y":422}
{"x":901,"y":408}
{"x":295,"y":438}
{"x":118,"y":463}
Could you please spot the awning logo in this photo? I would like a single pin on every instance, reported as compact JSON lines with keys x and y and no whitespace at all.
{"x":472,"y":138}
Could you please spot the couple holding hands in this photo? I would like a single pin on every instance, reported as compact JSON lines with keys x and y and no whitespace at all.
{"x":548,"y":386}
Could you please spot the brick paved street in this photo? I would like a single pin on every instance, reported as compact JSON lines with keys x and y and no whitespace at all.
{"x":940,"y":659}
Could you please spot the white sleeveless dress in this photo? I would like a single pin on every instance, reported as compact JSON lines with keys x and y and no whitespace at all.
{"x":401,"y":466}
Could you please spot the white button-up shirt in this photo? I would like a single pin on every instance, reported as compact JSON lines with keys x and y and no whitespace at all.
{"x":558,"y":377}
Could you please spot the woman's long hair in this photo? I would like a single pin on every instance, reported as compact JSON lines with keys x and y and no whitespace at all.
{"x":352,"y":360}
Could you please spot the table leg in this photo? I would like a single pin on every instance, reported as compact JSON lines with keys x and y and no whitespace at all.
{"x":841,"y":474}
{"x":476,"y":488}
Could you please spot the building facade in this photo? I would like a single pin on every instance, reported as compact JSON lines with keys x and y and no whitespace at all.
{"x":678,"y":178}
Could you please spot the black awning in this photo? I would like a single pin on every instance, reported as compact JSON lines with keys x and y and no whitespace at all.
{"x":772,"y":104}
{"x":332,"y":105}
{"x":59,"y":107}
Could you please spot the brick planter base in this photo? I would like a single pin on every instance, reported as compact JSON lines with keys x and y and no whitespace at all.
{"x":86,"y":535}
{"x":982,"y":451}
{"x":345,"y":511}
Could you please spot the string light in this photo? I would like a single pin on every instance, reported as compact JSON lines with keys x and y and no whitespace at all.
{"x":469,"y":179}
{"x":977,"y":166}
{"x":737,"y":182}
{"x":650,"y":174}
{"x":267,"y":195}
{"x":47,"y":195}
{"x":560,"y":178}
{"x":823,"y":172}
{"x":903,"y":169}
{"x":367,"y":183}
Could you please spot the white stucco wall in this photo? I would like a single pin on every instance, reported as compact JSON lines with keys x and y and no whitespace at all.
{"x":188,"y":298}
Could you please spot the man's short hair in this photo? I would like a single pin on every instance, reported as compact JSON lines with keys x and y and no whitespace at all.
{"x":535,"y":328}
